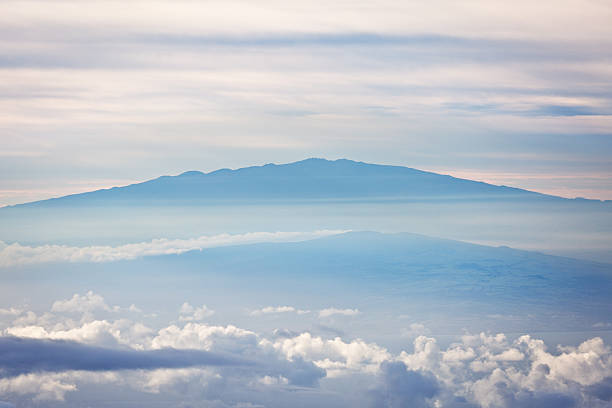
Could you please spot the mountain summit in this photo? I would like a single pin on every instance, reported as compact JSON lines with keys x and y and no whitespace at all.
{"x":310,"y":179}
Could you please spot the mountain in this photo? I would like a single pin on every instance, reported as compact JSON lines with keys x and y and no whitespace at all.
{"x":310,"y":179}
{"x":415,"y":264}
{"x":428,"y":278}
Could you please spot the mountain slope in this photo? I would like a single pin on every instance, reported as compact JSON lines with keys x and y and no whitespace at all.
{"x":310,"y":179}
{"x":428,"y":278}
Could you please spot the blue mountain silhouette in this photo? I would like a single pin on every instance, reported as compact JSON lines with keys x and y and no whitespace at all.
{"x":310,"y":179}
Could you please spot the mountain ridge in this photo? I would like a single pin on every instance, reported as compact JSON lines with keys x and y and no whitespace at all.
{"x":308,"y":179}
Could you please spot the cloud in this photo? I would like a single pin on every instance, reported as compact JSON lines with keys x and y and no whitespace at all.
{"x":80,"y":304}
{"x":202,"y":337}
{"x":134,"y":308}
{"x":52,"y":387}
{"x":336,"y":356}
{"x":267,"y":380}
{"x":26,"y":355}
{"x":246,"y":20}
{"x":601,"y":390}
{"x":16,"y":254}
{"x":277,"y":310}
{"x":415,"y":329}
{"x":189,"y":313}
{"x":103,"y":332}
{"x":333,"y":311}
{"x":10,"y":311}
{"x":47,"y":357}
{"x":401,"y":387}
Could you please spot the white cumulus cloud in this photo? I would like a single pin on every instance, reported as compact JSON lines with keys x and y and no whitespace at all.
{"x":482,"y":370}
{"x":82,"y":303}
{"x":189,"y":313}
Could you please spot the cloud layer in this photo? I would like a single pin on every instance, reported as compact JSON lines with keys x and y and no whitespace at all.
{"x":50,"y":357}
{"x":20,"y":356}
{"x":17,"y":254}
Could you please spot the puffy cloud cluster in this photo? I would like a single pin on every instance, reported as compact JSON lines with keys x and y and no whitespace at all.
{"x":202,"y":337}
{"x":17,"y":254}
{"x":491,"y":371}
{"x":85,"y":303}
{"x":104,"y":332}
{"x":189,"y":313}
{"x":335,"y":356}
{"x":51,"y":356}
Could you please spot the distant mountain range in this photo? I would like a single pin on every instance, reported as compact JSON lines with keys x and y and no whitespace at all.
{"x":310,"y":179}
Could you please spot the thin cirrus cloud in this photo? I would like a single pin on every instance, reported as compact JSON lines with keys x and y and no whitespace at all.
{"x":16,"y":254}
{"x":236,"y":17}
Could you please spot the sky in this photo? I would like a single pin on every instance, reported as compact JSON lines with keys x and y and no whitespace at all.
{"x":102,"y":93}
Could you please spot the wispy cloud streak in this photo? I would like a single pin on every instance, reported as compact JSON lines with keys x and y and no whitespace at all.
{"x":17,"y":254}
